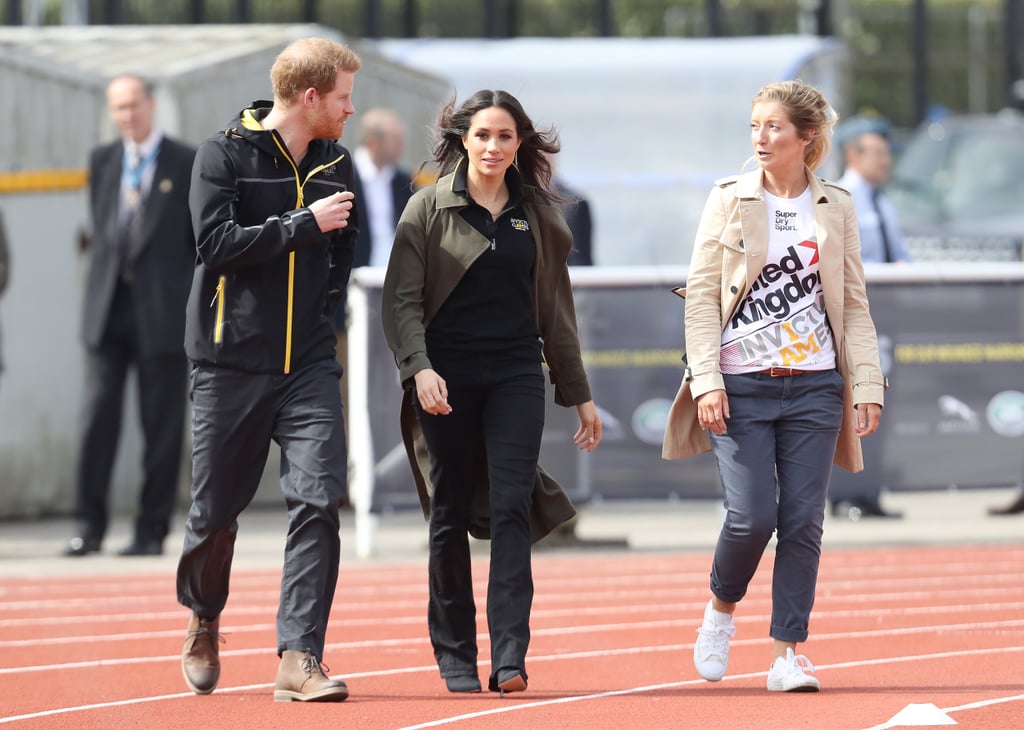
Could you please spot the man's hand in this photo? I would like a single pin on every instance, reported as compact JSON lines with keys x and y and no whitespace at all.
{"x":332,"y":212}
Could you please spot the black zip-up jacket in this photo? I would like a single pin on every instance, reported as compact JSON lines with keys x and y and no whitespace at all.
{"x":266,"y":280}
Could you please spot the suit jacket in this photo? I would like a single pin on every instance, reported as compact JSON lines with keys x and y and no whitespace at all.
{"x":577,"y":215}
{"x":5,"y":269}
{"x":729,"y":253}
{"x":163,"y":253}
{"x":401,"y":191}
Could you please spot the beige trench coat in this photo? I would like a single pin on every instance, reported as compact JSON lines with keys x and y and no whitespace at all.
{"x":729,"y":253}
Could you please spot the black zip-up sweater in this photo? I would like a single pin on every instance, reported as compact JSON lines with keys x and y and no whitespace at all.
{"x":266,"y":280}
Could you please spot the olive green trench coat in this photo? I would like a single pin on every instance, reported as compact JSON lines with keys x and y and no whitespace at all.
{"x":434,"y":246}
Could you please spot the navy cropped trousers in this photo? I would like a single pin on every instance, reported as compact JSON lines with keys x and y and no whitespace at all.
{"x":775,"y":461}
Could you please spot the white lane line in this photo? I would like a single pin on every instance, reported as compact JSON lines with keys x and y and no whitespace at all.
{"x":673,"y":685}
{"x":369,"y":593}
{"x":894,"y":722}
{"x":852,"y":577}
{"x":985,"y":703}
{"x":561,"y":631}
{"x":377,"y":622}
{"x":181,"y":695}
{"x":760,"y":596}
{"x":546,"y":658}
{"x":81,"y":639}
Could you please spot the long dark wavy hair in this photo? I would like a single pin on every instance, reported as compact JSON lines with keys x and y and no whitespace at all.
{"x":532,"y":157}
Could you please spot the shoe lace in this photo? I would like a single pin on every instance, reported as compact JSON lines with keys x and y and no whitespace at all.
{"x":311,"y":666}
{"x":798,"y":664}
{"x":214,"y":636}
{"x":716,"y":639}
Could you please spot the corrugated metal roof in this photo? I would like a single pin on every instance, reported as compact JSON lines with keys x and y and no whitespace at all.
{"x":156,"y":51}
{"x":52,"y":79}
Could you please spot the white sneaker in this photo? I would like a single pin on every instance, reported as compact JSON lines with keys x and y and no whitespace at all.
{"x":711,"y":652}
{"x":790,"y":674}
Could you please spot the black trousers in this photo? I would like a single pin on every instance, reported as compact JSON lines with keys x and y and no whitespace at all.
{"x":161,"y":394}
{"x":497,"y":414}
{"x":235,"y":415}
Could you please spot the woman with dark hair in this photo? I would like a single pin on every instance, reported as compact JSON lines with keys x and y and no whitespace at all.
{"x":783,"y":376}
{"x":476,"y":296}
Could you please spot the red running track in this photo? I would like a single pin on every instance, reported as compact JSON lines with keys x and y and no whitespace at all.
{"x":937,"y":632}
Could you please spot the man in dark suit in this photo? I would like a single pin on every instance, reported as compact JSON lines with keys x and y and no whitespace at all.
{"x":382,"y":186}
{"x":576,"y":209}
{"x":5,"y":268}
{"x":142,"y":255}
{"x":864,"y":140}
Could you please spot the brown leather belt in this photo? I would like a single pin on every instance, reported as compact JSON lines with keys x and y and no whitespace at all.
{"x":777,"y":372}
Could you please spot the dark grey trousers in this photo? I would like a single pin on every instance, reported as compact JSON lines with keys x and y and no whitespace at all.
{"x":161,"y":385}
{"x":235,"y":415}
{"x":775,"y":462}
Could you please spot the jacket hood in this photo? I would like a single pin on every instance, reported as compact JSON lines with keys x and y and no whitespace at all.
{"x":248,"y":125}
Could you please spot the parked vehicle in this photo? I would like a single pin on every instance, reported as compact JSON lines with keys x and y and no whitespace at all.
{"x":959,"y":188}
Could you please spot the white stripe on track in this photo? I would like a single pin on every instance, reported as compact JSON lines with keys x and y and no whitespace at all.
{"x":758,"y":597}
{"x":543,"y":703}
{"x":836,"y":578}
{"x":750,"y":675}
{"x":348,"y":622}
{"x":482,"y":638}
{"x":958,"y":708}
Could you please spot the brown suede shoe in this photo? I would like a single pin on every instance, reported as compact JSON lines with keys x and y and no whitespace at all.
{"x":300,"y":678}
{"x":200,"y":661}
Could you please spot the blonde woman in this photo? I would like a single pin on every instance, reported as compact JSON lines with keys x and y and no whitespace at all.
{"x":783,"y":374}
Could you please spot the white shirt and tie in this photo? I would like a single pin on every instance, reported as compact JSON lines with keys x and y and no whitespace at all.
{"x":881,"y":239}
{"x":138,"y":169}
{"x":380,"y":205}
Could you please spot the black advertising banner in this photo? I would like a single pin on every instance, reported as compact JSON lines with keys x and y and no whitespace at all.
{"x":954,"y":415}
{"x":632,"y":340}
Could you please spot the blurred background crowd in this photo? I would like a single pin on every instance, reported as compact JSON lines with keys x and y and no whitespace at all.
{"x":645,"y":95}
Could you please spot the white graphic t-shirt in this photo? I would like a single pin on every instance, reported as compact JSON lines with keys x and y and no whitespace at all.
{"x":782,"y":321}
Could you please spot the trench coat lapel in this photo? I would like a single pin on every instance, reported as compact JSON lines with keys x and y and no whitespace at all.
{"x":753,"y":212}
{"x":828,"y":223}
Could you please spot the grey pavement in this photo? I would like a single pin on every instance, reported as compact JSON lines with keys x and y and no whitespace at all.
{"x":31,"y":548}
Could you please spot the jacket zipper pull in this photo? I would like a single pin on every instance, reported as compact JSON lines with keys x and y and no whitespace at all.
{"x":216,"y":293}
